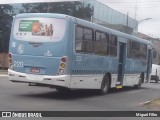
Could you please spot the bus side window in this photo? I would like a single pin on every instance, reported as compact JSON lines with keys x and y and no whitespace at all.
{"x":129,"y":49}
{"x":83,"y":40}
{"x":136,"y":49}
{"x":87,"y":42}
{"x":101,"y":43}
{"x":143,"y":51}
{"x":78,"y":38}
{"x":113,"y":45}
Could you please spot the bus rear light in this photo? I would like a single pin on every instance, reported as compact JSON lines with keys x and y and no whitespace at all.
{"x":10,"y":61}
{"x":62,"y":65}
{"x":10,"y":58}
{"x":61,"y":71}
{"x":63,"y":59}
{"x":10,"y":55}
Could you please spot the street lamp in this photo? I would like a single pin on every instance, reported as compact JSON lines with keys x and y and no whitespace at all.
{"x":136,"y":27}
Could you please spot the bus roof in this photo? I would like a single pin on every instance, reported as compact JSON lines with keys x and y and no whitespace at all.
{"x":112,"y":31}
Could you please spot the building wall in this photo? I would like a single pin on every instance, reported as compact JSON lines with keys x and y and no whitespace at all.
{"x":109,"y":17}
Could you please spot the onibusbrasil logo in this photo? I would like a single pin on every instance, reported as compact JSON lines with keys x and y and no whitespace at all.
{"x":21,"y":114}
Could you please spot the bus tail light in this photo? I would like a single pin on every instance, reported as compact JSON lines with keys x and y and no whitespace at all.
{"x":10,"y":60}
{"x":63,"y":59}
{"x":62,"y":65}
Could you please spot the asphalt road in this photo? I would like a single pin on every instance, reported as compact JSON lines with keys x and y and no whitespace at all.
{"x":21,"y":97}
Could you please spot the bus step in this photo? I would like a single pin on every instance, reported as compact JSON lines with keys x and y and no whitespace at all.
{"x":118,"y":86}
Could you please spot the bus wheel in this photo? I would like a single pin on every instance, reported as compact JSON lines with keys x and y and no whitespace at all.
{"x":104,"y":85}
{"x":139,"y":83}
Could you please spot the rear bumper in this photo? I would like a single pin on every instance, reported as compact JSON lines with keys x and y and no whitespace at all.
{"x":60,"y":80}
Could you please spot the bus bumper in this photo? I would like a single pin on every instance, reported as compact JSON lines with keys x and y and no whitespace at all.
{"x":59,"y":80}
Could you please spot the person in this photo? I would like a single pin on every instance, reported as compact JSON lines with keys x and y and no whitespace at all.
{"x":50,"y":31}
{"x":46,"y":30}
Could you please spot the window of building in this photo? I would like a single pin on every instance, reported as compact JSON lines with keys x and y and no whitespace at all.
{"x":84,"y":39}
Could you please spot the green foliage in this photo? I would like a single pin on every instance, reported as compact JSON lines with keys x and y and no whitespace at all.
{"x":5,"y":26}
{"x":76,"y":9}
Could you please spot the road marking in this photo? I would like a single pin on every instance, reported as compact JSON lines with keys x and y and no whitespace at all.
{"x":136,"y":91}
{"x":144,"y":102}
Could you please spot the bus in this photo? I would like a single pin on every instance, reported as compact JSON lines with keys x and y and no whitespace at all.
{"x":70,"y":53}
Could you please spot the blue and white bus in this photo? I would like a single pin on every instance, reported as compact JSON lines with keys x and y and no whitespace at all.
{"x":66,"y":52}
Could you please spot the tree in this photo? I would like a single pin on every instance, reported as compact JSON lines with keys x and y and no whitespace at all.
{"x":5,"y":26}
{"x":74,"y":8}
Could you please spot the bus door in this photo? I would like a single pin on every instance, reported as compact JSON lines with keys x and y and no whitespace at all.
{"x":121,"y":64}
{"x":149,"y":64}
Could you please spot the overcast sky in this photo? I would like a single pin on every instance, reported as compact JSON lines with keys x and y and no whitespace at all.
{"x":137,"y":9}
{"x":140,"y":10}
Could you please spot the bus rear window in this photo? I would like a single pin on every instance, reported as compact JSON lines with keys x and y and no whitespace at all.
{"x":39,"y":29}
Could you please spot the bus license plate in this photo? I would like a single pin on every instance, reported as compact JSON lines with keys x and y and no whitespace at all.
{"x":35,"y":70}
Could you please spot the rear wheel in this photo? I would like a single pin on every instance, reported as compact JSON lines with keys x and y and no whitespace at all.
{"x":104,"y":86}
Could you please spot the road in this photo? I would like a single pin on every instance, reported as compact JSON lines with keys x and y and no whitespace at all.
{"x":21,"y":97}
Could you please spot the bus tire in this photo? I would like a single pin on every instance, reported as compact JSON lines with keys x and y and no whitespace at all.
{"x":104,"y":85}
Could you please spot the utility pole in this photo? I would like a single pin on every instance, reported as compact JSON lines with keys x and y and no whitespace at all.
{"x":136,"y":10}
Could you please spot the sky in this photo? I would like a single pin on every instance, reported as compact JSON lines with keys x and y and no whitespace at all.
{"x":140,"y":10}
{"x":137,"y":9}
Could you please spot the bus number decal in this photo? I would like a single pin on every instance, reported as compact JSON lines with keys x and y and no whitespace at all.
{"x":18,"y":64}
{"x":79,"y":58}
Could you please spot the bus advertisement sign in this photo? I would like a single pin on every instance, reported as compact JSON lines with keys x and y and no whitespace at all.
{"x":41,"y":29}
{"x":28,"y":25}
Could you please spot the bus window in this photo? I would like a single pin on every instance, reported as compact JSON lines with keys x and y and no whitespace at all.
{"x":143,"y":51}
{"x":84,"y":40}
{"x":129,"y":49}
{"x":79,"y":38}
{"x":135,"y":49}
{"x":113,"y":45}
{"x":101,"y":43}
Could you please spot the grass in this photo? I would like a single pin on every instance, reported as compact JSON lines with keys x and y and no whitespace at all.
{"x":154,"y":104}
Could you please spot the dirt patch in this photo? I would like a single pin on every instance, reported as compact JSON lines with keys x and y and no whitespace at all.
{"x":155,"y":104}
